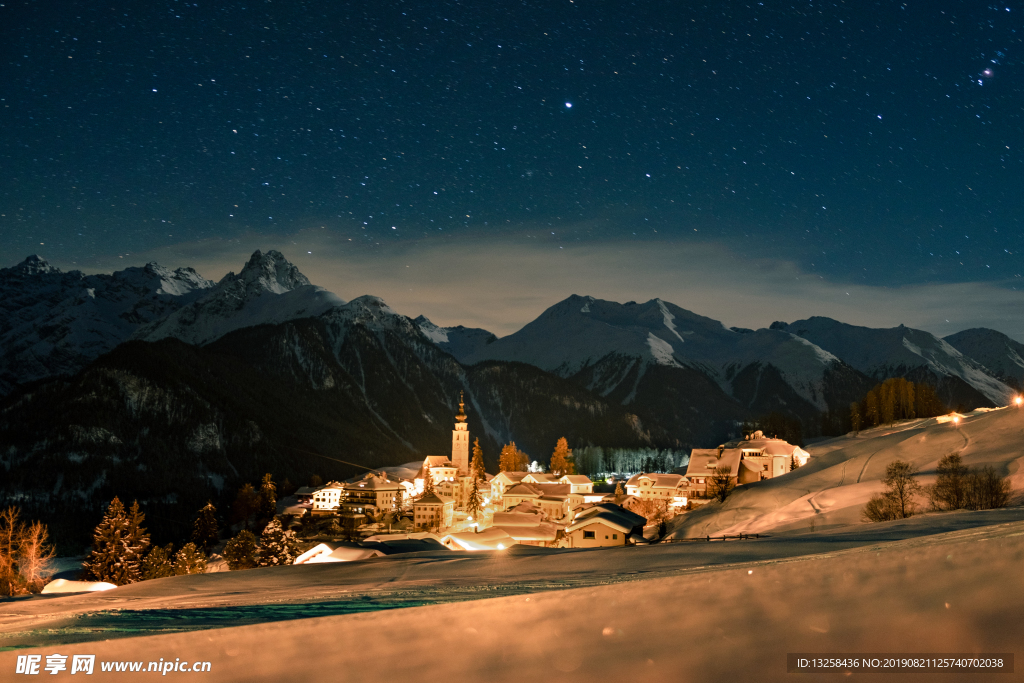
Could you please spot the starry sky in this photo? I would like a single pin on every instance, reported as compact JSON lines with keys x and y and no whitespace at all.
{"x":749,"y":160}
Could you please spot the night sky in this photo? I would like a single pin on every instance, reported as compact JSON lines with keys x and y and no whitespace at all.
{"x":867,"y":150}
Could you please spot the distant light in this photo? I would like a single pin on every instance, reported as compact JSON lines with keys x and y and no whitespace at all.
{"x":568,"y":105}
{"x":501,"y":546}
{"x":1018,"y":401}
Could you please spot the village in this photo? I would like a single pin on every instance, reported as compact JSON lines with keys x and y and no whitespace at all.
{"x":451,"y":502}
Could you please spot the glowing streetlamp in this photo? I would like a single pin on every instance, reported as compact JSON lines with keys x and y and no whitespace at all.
{"x":1018,"y":401}
{"x":956,"y":421}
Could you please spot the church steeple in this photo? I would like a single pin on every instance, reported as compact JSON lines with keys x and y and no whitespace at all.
{"x":460,"y":439}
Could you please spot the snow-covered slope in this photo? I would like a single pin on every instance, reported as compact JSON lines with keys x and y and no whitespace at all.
{"x":845,"y":472}
{"x":898,"y":351}
{"x":582,"y":331}
{"x":268,"y":290}
{"x":461,"y":342}
{"x":1002,"y":357}
{"x":53,"y":322}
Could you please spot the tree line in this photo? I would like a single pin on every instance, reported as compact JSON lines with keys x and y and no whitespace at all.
{"x":893,"y":400}
{"x":595,"y":460}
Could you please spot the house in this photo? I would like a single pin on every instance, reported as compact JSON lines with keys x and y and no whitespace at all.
{"x":327,"y":499}
{"x":505,"y":480}
{"x":580,"y":483}
{"x":372,"y":495}
{"x":433,"y":511}
{"x":406,"y":545}
{"x":554,"y":500}
{"x":750,"y":460}
{"x":604,"y":525}
{"x":304,"y":495}
{"x":668,"y":488}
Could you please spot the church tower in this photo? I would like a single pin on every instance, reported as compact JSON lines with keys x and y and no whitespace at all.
{"x":460,"y":441}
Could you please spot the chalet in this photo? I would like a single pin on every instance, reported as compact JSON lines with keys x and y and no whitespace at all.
{"x":372,"y":495}
{"x":555,"y":500}
{"x":504,"y":480}
{"x":304,"y":495}
{"x":604,"y":525}
{"x":669,"y":488}
{"x":327,"y":499}
{"x":433,"y":511}
{"x":753,"y":459}
{"x":580,"y":483}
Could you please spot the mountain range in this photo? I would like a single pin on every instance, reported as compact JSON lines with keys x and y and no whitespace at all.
{"x":168,"y":387}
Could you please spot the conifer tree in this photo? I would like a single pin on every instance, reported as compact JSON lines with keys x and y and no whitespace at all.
{"x":189,"y":560}
{"x":476,"y":467}
{"x":428,"y":484}
{"x":267,"y":498}
{"x":118,"y":545}
{"x":158,"y":563}
{"x":619,"y":493}
{"x":240,"y":551}
{"x":277,"y":546}
{"x":855,"y":417}
{"x":315,"y":481}
{"x":473,"y":503}
{"x":561,"y":458}
{"x":245,"y":506}
{"x":507,"y":459}
{"x":204,"y":531}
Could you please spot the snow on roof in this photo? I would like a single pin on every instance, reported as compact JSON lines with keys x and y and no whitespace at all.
{"x":523,"y":489}
{"x":402,"y":537}
{"x":616,"y":509}
{"x":488,"y":539}
{"x":704,"y":461}
{"x":657,"y":479}
{"x":540,"y":478}
{"x":608,"y":518}
{"x":305,"y":490}
{"x":518,"y":517}
{"x":575,"y":479}
{"x":373,"y":482}
{"x":544,"y":531}
{"x":510,"y":477}
{"x":433,"y":499}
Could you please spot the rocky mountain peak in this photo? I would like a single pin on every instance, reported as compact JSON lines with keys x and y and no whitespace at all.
{"x":270,"y":272}
{"x":35,"y":265}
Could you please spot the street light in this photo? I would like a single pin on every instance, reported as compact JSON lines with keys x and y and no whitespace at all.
{"x":1018,"y":401}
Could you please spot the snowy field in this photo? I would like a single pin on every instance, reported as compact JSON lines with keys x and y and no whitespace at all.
{"x":693,"y":611}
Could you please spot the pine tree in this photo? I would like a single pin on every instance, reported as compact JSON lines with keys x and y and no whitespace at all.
{"x":189,"y":560}
{"x":240,"y":551}
{"x":619,"y":493}
{"x":560,"y":458}
{"x":158,"y":563}
{"x":428,"y":483}
{"x":473,"y":503}
{"x":476,"y":467}
{"x":507,"y":459}
{"x":855,"y":417}
{"x":118,"y":544}
{"x":245,"y":506}
{"x":267,"y":507}
{"x":277,"y":546}
{"x":315,"y":481}
{"x":204,"y":531}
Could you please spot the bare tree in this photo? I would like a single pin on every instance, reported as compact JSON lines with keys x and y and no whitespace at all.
{"x":35,"y":556}
{"x":898,"y":499}
{"x":950,"y":489}
{"x":721,"y":483}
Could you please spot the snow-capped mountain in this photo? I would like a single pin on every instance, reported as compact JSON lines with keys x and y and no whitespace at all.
{"x":52,"y":322}
{"x":1002,"y":357}
{"x":268,"y":290}
{"x":614,"y":345}
{"x":905,"y":352}
{"x":461,"y":342}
